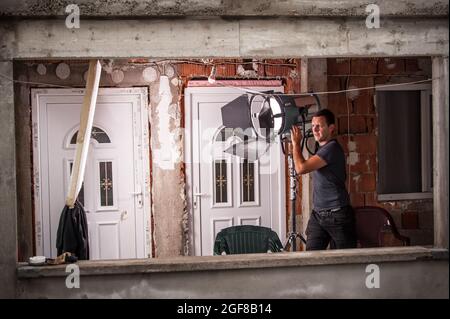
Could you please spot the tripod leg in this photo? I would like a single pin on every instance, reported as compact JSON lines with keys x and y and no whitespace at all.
{"x":289,"y":241}
{"x":302,"y":238}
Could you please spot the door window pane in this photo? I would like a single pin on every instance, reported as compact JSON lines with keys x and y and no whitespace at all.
{"x":248,"y":181}
{"x":220,"y":178}
{"x":97,"y":134}
{"x":106,"y":184}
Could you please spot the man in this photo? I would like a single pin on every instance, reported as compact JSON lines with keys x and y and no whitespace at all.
{"x":332,"y":219}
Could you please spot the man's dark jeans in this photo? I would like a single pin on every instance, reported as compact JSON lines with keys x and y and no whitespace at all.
{"x":336,"y":228}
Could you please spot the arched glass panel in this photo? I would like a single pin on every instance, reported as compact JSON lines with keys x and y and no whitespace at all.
{"x":97,"y":134}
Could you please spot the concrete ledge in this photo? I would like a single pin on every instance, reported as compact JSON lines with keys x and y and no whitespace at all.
{"x":231,"y":262}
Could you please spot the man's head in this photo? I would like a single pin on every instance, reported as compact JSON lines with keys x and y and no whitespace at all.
{"x":323,"y":126}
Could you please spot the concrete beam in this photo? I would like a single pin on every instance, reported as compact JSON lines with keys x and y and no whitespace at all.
{"x":224,"y":8}
{"x":216,"y":37}
{"x":440,"y":150}
{"x":340,"y":37}
{"x":8,"y":214}
{"x":124,"y":38}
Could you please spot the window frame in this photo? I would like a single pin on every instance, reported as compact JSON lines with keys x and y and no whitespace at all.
{"x":426,"y":136}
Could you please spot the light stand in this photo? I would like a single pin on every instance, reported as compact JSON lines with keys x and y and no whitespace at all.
{"x":270,"y":115}
{"x":293,"y":235}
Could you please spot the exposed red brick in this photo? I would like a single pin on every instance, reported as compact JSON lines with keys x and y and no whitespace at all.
{"x":357,"y":124}
{"x":338,"y":104}
{"x":343,"y":141}
{"x":364,"y":104}
{"x":360,"y":166}
{"x":364,"y":66}
{"x":379,"y":80}
{"x":410,"y":220}
{"x":338,"y":66}
{"x":353,"y":188}
{"x":367,"y":183}
{"x":189,"y":70}
{"x":337,"y":101}
{"x":411,"y":65}
{"x":371,"y":199}
{"x":292,"y":85}
{"x":336,"y":83}
{"x":357,"y":199}
{"x":225,"y":70}
{"x":278,"y":70}
{"x":138,"y":60}
{"x":362,"y":99}
{"x":366,"y":143}
{"x":373,"y":165}
{"x":391,"y":66}
{"x":372,"y":124}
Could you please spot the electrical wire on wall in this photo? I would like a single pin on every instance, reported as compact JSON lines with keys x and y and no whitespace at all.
{"x":249,"y":90}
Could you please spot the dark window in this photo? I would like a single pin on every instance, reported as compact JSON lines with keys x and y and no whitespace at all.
{"x":404,"y":142}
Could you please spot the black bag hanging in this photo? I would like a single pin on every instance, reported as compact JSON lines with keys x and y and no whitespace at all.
{"x":72,"y":234}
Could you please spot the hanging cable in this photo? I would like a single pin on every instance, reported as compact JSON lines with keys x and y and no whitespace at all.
{"x":246,"y":90}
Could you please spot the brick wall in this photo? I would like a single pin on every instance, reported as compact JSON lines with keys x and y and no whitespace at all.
{"x":356,"y":117}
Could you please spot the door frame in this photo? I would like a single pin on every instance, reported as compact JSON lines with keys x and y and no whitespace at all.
{"x":278,"y":220}
{"x":141,"y":151}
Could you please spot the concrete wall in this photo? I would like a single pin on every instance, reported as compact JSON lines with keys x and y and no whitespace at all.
{"x":219,"y":37}
{"x":403,"y":273}
{"x":8,"y":216}
{"x":227,"y":8}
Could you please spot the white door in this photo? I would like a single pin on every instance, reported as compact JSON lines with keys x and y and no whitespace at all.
{"x":114,"y":192}
{"x":226,"y":190}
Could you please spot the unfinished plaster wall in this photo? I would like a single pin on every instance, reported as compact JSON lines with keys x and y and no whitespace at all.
{"x":414,"y":218}
{"x":164,"y":117}
{"x":8,"y":207}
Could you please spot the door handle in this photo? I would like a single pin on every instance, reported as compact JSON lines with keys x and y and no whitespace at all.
{"x":197,"y":195}
{"x":200,"y":194}
{"x":139,"y":197}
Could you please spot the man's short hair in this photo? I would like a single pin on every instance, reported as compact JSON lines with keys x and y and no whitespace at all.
{"x":329,"y":116}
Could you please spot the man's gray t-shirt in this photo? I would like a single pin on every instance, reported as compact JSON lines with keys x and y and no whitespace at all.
{"x":329,"y":190}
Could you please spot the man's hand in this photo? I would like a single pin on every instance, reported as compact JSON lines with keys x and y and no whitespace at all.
{"x":303,"y":166}
{"x":296,"y":135}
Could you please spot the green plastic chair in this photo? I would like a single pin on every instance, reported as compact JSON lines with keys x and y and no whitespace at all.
{"x":246,"y":239}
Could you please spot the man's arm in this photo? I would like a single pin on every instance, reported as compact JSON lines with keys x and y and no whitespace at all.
{"x":303,"y":166}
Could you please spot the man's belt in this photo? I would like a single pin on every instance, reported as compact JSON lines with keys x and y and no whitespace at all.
{"x":328,"y":211}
